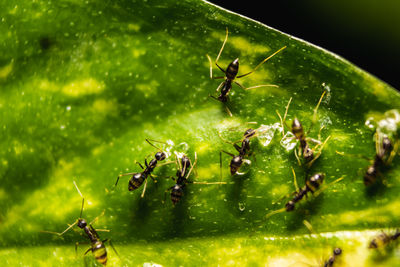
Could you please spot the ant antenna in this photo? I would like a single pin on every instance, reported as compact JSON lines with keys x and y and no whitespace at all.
{"x":148,"y":141}
{"x":83,"y":199}
{"x":223,"y":45}
{"x":262,"y":62}
{"x":275,"y":212}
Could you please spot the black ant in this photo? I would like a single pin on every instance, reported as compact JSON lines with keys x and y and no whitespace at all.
{"x":313,"y":186}
{"x":331,"y":260}
{"x":297,"y":130}
{"x":139,"y":177}
{"x":231,"y":74}
{"x":97,"y":246}
{"x":384,"y":156}
{"x":383,"y":239}
{"x":336,"y":252}
{"x":182,"y":175}
{"x":385,"y":152}
{"x":243,"y":149}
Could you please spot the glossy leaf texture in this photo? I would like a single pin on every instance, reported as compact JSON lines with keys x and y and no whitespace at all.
{"x":84,"y":83}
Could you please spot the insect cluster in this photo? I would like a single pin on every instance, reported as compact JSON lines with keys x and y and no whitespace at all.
{"x":307,"y":152}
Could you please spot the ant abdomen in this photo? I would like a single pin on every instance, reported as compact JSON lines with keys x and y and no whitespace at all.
{"x":136,"y":181}
{"x":176,"y":193}
{"x":235,"y":164}
{"x":315,"y":182}
{"x":232,"y":69}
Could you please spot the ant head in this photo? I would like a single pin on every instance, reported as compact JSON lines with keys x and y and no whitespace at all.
{"x":337,"y":251}
{"x":185,"y":161}
{"x":82,"y":223}
{"x":386,"y":144}
{"x":160,"y":156}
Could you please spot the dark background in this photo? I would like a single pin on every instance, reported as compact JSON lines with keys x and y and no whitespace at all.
{"x":367,"y":33}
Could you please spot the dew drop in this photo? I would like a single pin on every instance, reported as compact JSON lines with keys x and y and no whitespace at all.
{"x":242,"y":206}
{"x":267,"y":133}
{"x":288,"y":141}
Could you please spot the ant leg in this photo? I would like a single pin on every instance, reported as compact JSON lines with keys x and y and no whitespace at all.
{"x":86,"y":252}
{"x":208,"y":183}
{"x":353,"y":155}
{"x":124,"y":174}
{"x":393,"y":153}
{"x":165,"y":163}
{"x":138,"y":163}
{"x":319,"y":152}
{"x":275,"y":212}
{"x":192,"y":165}
{"x":295,"y":181}
{"x":283,"y":121}
{"x":262,"y":62}
{"x":228,"y":111}
{"x":256,"y":86}
{"x":63,"y":232}
{"x":144,"y":189}
{"x":316,"y":193}
{"x":230,"y":154}
{"x":112,"y":246}
{"x":297,"y":157}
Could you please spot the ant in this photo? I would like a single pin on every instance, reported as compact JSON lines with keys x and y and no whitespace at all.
{"x":298,"y":133}
{"x":313,"y":186}
{"x":231,"y":74}
{"x":139,"y":177}
{"x":97,"y":246}
{"x":243,"y":149}
{"x":384,"y":156}
{"x":385,"y":152}
{"x":336,"y":252}
{"x":182,"y":175}
{"x":331,"y":260}
{"x":383,"y":239}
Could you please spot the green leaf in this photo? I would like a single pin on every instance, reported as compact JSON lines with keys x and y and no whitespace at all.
{"x":83,"y":84}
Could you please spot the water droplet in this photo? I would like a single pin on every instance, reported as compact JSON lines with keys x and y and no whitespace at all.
{"x":288,"y":141}
{"x":267,"y":133}
{"x":370,"y":123}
